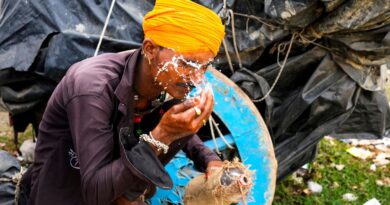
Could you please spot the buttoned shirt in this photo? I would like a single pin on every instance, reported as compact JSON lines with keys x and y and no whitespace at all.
{"x":86,"y":151}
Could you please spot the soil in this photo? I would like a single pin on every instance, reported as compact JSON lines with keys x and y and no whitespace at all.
{"x":5,"y":129}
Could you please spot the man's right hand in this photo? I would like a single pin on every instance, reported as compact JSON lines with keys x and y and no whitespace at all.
{"x":182,"y":119}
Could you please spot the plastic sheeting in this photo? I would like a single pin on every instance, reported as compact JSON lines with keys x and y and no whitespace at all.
{"x":315,"y":97}
{"x":9,"y":166}
{"x":333,"y":81}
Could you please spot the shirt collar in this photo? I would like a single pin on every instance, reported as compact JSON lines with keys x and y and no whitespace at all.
{"x":124,"y":91}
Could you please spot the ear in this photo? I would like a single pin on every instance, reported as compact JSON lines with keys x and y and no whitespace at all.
{"x":150,"y":49}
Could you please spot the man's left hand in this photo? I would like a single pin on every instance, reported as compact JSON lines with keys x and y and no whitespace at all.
{"x":213,"y":166}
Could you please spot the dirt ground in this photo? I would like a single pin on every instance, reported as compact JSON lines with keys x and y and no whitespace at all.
{"x":5,"y":129}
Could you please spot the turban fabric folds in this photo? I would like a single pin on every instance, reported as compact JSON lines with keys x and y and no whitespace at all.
{"x":184,"y":26}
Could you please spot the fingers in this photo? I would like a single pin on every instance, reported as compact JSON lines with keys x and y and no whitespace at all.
{"x":208,"y":109}
{"x":200,"y":107}
{"x":212,"y":167}
{"x":208,"y":105}
{"x":181,"y":107}
{"x":188,"y":118}
{"x":186,"y":105}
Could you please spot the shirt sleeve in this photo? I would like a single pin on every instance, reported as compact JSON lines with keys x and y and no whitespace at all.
{"x":104,"y":178}
{"x":199,"y":153}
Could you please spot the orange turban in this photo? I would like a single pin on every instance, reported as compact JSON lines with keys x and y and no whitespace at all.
{"x":184,"y":26}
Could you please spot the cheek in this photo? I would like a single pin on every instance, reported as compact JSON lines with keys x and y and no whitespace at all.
{"x":175,"y":75}
{"x":191,"y":74}
{"x":196,"y":77}
{"x":167,"y":78}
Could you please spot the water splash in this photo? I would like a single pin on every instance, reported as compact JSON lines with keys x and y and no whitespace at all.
{"x":203,"y":86}
{"x":174,"y":63}
{"x":194,"y":88}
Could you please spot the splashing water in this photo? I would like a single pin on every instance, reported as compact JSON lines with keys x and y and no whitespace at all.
{"x":204,"y":86}
{"x":194,"y":88}
{"x":174,"y":63}
{"x":164,"y":68}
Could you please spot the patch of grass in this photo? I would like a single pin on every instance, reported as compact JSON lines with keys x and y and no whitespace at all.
{"x":355,"y":178}
{"x":6,"y":139}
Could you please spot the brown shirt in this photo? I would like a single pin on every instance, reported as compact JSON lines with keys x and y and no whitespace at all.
{"x":86,"y":151}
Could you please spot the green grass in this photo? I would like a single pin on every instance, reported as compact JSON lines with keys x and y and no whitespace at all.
{"x":6,"y":139}
{"x":355,"y":178}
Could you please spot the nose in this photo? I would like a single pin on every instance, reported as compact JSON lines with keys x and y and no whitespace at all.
{"x":197,"y":78}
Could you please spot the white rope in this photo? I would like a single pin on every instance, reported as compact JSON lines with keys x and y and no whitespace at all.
{"x":281,"y":68}
{"x":104,"y":27}
{"x":229,"y":14}
{"x":224,"y":4}
{"x":229,"y":60}
{"x":234,"y":38}
{"x":220,"y":133}
{"x":15,"y":179}
{"x":213,"y":136}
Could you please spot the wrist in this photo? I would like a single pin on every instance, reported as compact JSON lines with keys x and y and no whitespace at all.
{"x":215,"y":163}
{"x":149,"y":138}
{"x":159,"y":135}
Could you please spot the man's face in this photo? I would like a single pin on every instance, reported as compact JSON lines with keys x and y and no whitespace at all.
{"x":178,"y":73}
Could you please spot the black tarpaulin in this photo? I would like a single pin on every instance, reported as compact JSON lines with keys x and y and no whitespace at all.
{"x":9,"y":167}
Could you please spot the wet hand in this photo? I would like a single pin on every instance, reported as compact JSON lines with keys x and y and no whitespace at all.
{"x":184,"y":119}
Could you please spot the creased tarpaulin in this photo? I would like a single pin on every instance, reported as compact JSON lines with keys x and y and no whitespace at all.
{"x":9,"y":166}
{"x":41,"y":39}
{"x":333,"y":82}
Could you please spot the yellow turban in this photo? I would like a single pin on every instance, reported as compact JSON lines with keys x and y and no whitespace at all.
{"x":184,"y":26}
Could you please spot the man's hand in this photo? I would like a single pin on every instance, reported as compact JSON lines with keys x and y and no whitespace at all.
{"x":183,"y":119}
{"x":213,"y":166}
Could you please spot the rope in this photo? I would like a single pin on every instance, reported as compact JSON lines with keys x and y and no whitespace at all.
{"x":229,"y":15}
{"x":256,"y":18}
{"x":224,"y":4}
{"x":242,"y":195}
{"x":281,"y":68}
{"x":213,"y":136}
{"x":104,"y":27}
{"x":227,"y":56}
{"x":308,"y":41}
{"x":16,"y":179}
{"x":5,"y":180}
{"x":232,"y":13}
{"x":234,"y":38}
{"x":220,"y":133}
{"x":224,"y":14}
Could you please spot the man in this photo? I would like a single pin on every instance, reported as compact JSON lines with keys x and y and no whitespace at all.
{"x":101,"y":139}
